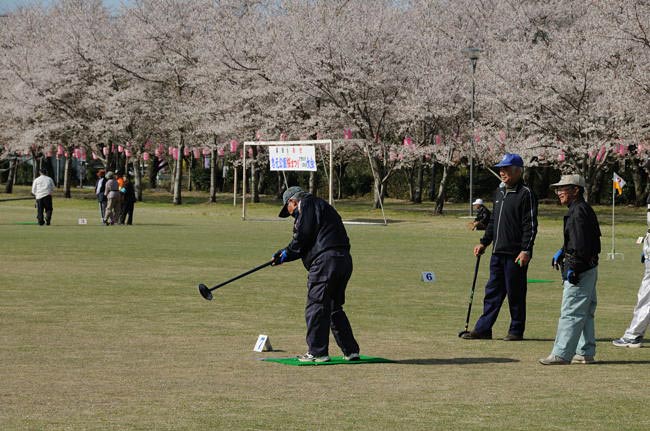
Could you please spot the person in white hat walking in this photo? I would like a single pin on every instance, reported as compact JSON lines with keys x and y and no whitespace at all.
{"x":575,"y":341}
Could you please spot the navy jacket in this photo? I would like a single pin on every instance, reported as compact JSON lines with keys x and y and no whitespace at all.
{"x":581,"y":237}
{"x":317,"y":228}
{"x":513,"y":224}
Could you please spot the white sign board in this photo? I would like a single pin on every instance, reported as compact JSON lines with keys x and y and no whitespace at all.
{"x":292,"y":158}
{"x":263,"y":344}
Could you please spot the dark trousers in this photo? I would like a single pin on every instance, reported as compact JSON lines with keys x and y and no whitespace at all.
{"x":326,"y":282}
{"x":507,"y":279}
{"x":44,"y":205}
{"x":127,"y":212}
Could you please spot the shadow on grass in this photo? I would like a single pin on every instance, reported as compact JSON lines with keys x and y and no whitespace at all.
{"x":598,"y":362}
{"x":456,"y":361}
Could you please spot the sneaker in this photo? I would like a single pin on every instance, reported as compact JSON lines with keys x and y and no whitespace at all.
{"x":513,"y":337}
{"x":308,"y":357}
{"x":583,"y":359}
{"x":352,"y":357}
{"x":627,"y":342}
{"x":473,"y":335}
{"x":553,"y":360}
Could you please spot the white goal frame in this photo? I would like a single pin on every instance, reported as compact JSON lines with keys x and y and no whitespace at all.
{"x":327,"y":142}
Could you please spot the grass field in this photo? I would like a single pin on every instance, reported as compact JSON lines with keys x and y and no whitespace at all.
{"x":102,"y":328}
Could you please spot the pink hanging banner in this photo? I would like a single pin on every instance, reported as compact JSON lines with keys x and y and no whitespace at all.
{"x":145,"y":156}
{"x":127,"y":153}
{"x":438,"y":140}
{"x":221,"y":152}
{"x":197,"y":153}
{"x":120,"y":149}
{"x":561,"y":157}
{"x":59,"y":150}
{"x":206,"y":151}
{"x":186,"y":151}
{"x":174,"y":152}
{"x":233,"y":146}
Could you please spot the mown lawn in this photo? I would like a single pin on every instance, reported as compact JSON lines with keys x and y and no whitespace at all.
{"x":103,"y":327}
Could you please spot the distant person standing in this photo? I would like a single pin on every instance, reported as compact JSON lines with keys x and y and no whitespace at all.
{"x":128,"y":201}
{"x":114,"y":202}
{"x":42,"y":189}
{"x":511,"y":231}
{"x":100,"y":186}
{"x":575,"y":341}
{"x":641,"y":315}
{"x":482,"y":215}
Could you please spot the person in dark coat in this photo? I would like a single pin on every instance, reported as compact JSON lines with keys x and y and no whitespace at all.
{"x":128,"y":201}
{"x":575,"y":341}
{"x":511,"y":231}
{"x":320,"y":239}
{"x":482,"y":215}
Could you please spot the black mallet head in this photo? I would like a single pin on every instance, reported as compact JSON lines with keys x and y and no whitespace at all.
{"x":205,"y":292}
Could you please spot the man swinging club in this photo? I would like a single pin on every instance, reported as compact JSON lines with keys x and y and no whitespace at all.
{"x":320,"y":239}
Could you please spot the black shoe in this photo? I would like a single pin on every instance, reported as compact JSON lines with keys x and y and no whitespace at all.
{"x":473,"y":335}
{"x":513,"y":337}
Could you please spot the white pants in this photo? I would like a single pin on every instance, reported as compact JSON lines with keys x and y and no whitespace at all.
{"x":641,"y":317}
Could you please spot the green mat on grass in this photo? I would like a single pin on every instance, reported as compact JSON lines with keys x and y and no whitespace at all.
{"x":533,"y":280}
{"x":334,"y":360}
{"x":26,"y":222}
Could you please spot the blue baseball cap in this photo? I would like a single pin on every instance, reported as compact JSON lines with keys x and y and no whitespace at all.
{"x":510,"y":159}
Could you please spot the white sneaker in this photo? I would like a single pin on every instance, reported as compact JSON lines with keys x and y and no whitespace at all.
{"x":583,"y":359}
{"x":352,"y":357}
{"x":627,"y":342}
{"x":308,"y":357}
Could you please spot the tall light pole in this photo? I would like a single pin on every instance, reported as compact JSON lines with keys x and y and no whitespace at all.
{"x":473,"y":54}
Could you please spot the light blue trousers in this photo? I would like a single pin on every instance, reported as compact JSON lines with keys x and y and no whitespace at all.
{"x":575,"y":329}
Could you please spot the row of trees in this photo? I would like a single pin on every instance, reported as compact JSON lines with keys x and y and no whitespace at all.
{"x":565,"y":84}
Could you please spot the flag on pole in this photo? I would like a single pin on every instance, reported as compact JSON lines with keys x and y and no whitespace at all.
{"x":619,"y":183}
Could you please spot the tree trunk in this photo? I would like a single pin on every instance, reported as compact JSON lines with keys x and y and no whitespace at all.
{"x":190,"y":165}
{"x":442,"y":189}
{"x":152,"y":172}
{"x":35,"y":166}
{"x":137,"y":178}
{"x":419,"y":183}
{"x":213,"y":174}
{"x":67,"y":176}
{"x":178,"y":174}
{"x":11,"y":175}
{"x":313,"y":183}
{"x":432,"y":186}
{"x":378,"y":189}
{"x":638,"y":186}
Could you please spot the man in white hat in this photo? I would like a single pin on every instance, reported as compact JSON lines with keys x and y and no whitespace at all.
{"x":575,"y":341}
{"x":482,"y":215}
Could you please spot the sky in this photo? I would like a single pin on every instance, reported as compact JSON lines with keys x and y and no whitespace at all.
{"x":9,"y":5}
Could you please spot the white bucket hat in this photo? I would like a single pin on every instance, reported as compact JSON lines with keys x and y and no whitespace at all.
{"x":478,"y":202}
{"x":571,"y":180}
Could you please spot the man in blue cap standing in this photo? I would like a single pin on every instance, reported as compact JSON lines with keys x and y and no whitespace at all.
{"x":511,"y":231}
